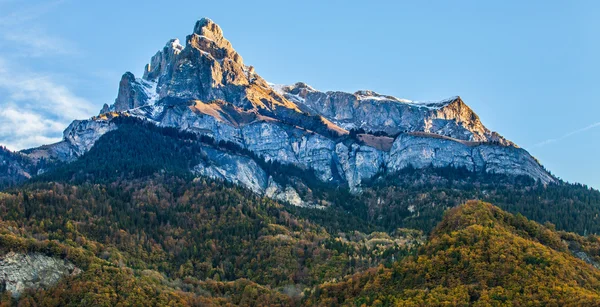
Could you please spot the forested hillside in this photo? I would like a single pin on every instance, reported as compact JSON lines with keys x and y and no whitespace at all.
{"x":252,"y":252}
{"x":418,"y":198}
{"x":142,"y":228}
{"x":409,"y":198}
{"x":188,"y":232}
{"x":478,"y":255}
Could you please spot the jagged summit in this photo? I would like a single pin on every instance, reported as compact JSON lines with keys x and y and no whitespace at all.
{"x":208,"y":37}
{"x":208,"y":69}
{"x":207,"y":27}
{"x":160,"y":60}
{"x":205,"y":88}
{"x":210,"y":30}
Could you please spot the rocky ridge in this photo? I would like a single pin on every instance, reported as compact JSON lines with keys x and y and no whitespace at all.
{"x":375,"y":112}
{"x":204,"y":87}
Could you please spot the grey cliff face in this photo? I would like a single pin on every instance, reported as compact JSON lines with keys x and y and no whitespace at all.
{"x":421,"y":152}
{"x":244,"y":171}
{"x":132,"y":94}
{"x":79,"y":137}
{"x":233,"y":168}
{"x":359,"y":162}
{"x":374,"y":112}
{"x":19,"y":272}
{"x":82,"y":135}
{"x":204,"y":87}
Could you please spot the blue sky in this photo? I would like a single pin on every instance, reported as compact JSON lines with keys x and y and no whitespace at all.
{"x":528,"y":68}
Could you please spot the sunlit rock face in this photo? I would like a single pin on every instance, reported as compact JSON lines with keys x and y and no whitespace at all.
{"x":204,"y":87}
{"x":374,"y":112}
{"x":161,"y":59}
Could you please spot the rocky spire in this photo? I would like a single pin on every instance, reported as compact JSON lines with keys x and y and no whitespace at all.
{"x":208,"y":37}
{"x":208,"y":28}
{"x":161,"y":59}
{"x":131,"y":93}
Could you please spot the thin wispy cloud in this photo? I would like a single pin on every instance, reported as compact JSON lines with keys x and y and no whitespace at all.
{"x":21,"y":15}
{"x":21,"y":37}
{"x":36,"y":42}
{"x":35,"y":106}
{"x":21,"y":129}
{"x":570,"y":134}
{"x":40,"y":92}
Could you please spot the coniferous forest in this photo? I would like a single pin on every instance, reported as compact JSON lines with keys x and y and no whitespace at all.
{"x":145,"y":231}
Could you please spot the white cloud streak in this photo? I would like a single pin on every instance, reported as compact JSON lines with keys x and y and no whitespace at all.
{"x":40,"y":92}
{"x":572,"y":133}
{"x":35,"y":106}
{"x":26,"y":14}
{"x":35,"y":42}
{"x":19,"y":32}
{"x":23,"y":129}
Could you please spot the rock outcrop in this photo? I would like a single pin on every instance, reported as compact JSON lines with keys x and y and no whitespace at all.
{"x":19,"y":272}
{"x":204,"y":87}
{"x":79,"y":137}
{"x":233,"y":168}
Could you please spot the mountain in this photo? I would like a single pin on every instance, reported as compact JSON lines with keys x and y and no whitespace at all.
{"x":410,"y":198}
{"x":204,"y":184}
{"x":477,"y":256}
{"x":205,"y":88}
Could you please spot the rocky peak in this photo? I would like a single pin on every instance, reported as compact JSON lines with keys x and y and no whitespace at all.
{"x":209,"y":69}
{"x":161,"y":59}
{"x":208,"y":28}
{"x":454,"y":114}
{"x":105,"y":109}
{"x":367,"y":94}
{"x":208,"y":37}
{"x":205,"y":88}
{"x":133,"y":93}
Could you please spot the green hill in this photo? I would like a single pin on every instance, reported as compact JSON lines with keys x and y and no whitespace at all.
{"x":478,"y":255}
